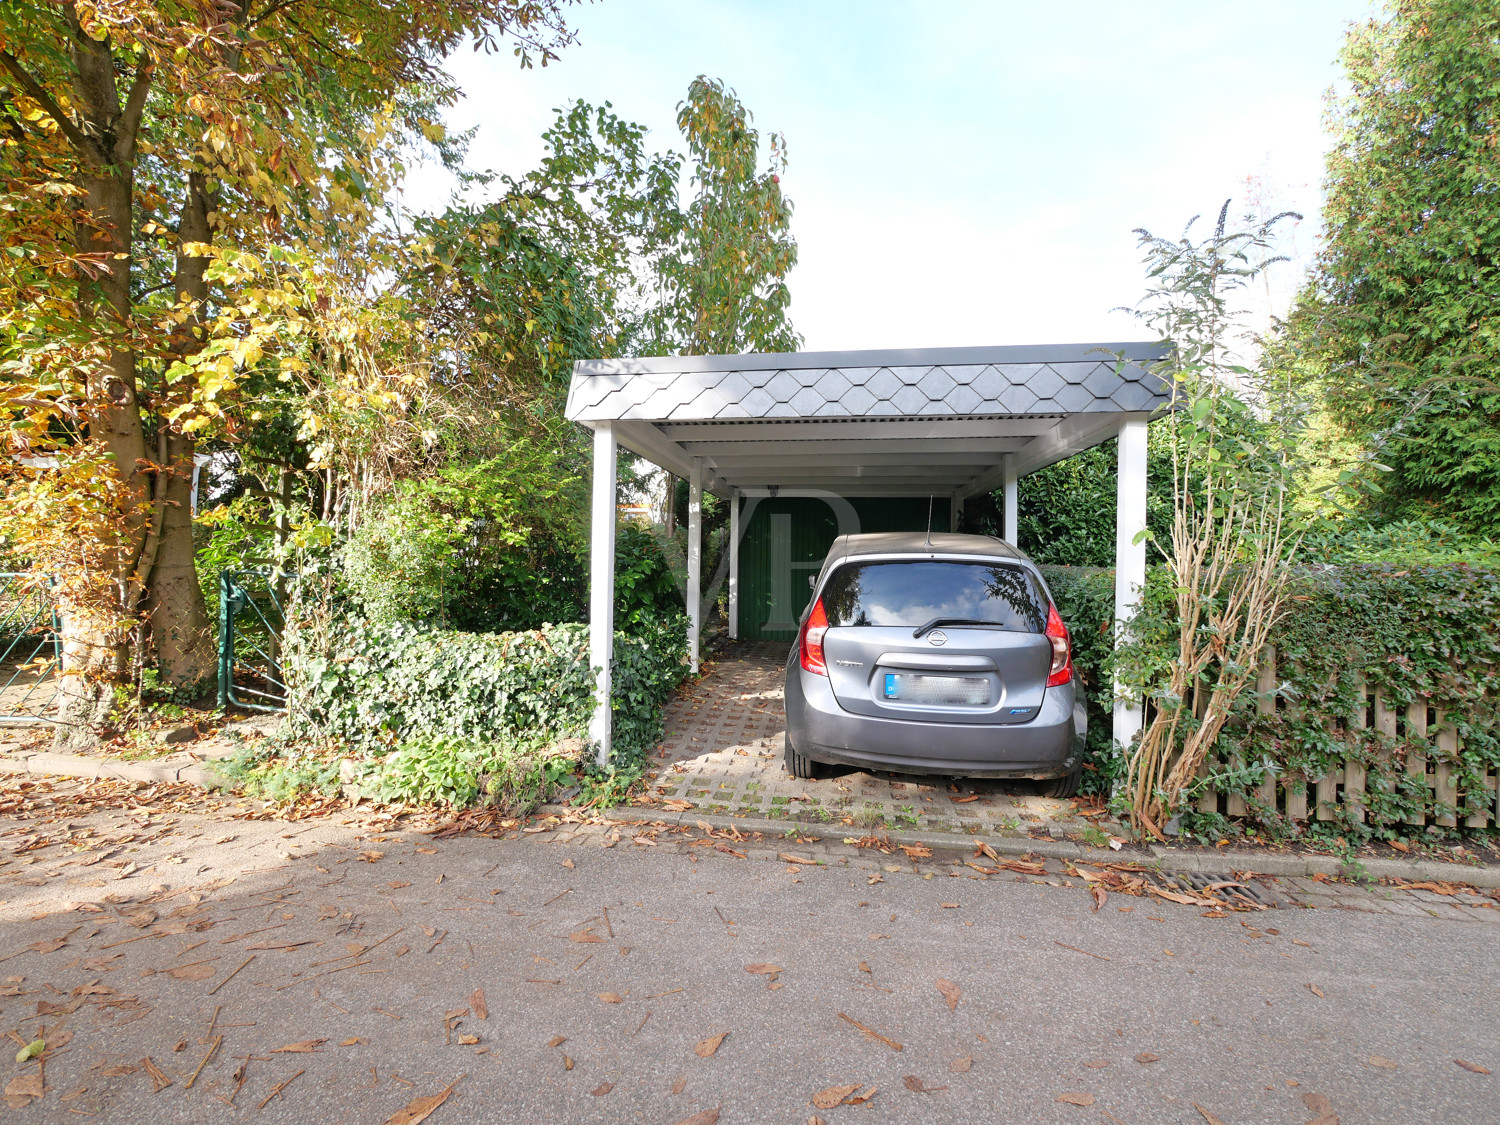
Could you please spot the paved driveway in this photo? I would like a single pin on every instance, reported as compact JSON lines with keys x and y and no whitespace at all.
{"x":582,"y":974}
{"x":723,"y":749}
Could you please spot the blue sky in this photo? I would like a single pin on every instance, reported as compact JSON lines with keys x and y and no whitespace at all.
{"x":963,"y":173}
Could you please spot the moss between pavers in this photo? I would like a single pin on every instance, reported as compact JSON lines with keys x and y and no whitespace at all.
{"x":780,"y":800}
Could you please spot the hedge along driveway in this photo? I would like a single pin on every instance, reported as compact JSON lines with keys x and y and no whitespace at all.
{"x":364,"y":683}
{"x":1381,"y":718}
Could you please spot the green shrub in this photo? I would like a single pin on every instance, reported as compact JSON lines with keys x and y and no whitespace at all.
{"x":513,"y":777}
{"x":1085,"y":598}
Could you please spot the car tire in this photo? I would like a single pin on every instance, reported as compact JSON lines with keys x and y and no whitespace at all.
{"x":1063,"y":787}
{"x":798,"y":766}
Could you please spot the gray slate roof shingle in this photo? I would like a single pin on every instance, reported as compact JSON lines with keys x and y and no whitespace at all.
{"x":941,"y":382}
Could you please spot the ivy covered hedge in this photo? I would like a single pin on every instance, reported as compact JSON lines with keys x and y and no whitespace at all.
{"x":1415,"y":633}
{"x":360,"y":682}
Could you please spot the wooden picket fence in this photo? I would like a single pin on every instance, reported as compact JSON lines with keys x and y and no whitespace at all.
{"x":1298,"y":798}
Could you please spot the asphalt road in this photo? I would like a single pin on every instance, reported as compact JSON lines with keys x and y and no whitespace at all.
{"x":1336,"y":1015}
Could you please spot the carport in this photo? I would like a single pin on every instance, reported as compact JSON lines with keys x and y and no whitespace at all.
{"x":942,"y":425}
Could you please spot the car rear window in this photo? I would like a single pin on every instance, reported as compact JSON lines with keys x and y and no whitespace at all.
{"x":914,"y":592}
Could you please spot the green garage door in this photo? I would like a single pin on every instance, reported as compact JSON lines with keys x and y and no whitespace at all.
{"x":786,"y":539}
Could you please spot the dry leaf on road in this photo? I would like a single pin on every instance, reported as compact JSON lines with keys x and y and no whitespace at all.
{"x":1097,"y":1064}
{"x":611,"y":997}
{"x":585,"y":937}
{"x":567,"y":1062}
{"x":961,"y":1066}
{"x":1147,"y":1057}
{"x":702,"y":1117}
{"x":304,"y":1046}
{"x":1100,"y":897}
{"x":706,"y":1048}
{"x":679,"y":1086}
{"x":418,"y":1109}
{"x":603,"y":1088}
{"x":1208,"y":1117}
{"x":467,"y":1040}
{"x":476,"y":1001}
{"x":792,"y":857}
{"x":1472,"y":1068}
{"x":1075,"y":1099}
{"x":568,"y":863}
{"x":950,"y":992}
{"x":25,"y":1086}
{"x":557,"y":1041}
{"x":763,"y":969}
{"x":917,"y":1086}
{"x":949,"y":905}
{"x":192,"y":972}
{"x":1315,"y":990}
{"x":827,"y":1099}
{"x":1383,"y":1063}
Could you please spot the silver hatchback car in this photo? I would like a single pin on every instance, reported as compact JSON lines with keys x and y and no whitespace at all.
{"x":934,"y":654}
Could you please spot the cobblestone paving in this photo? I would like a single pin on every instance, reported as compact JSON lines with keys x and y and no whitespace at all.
{"x":723,"y":753}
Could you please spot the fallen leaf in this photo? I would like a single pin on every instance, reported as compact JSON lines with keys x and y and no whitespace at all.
{"x":1315,"y":990}
{"x":1100,"y":897}
{"x":1399,"y":846}
{"x":25,"y":1086}
{"x":861,"y":1099}
{"x":763,"y":969}
{"x":679,"y":1086}
{"x":702,"y":1117}
{"x":306,"y":1046}
{"x":418,"y":1109}
{"x":706,"y":1048}
{"x":950,"y":992}
{"x":467,"y":1040}
{"x":1097,"y":1064}
{"x":791,"y":857}
{"x":1472,"y":1068}
{"x":961,"y":1066}
{"x":827,"y":1099}
{"x":1075,"y":1099}
{"x":567,"y":1062}
{"x":568,"y":863}
{"x":1383,"y":1063}
{"x":31,"y":1050}
{"x":397,"y":885}
{"x":603,"y":1088}
{"x":351,"y":1041}
{"x":371,"y":857}
{"x":557,"y":1041}
{"x":192,"y":972}
{"x":1147,"y":1057}
{"x":966,"y":800}
{"x":1317,"y":1103}
{"x":949,"y":905}
{"x":1208,"y":1117}
{"x":585,"y":937}
{"x":611,"y":997}
{"x":120,"y":1070}
{"x":50,"y":946}
{"x":917,"y":1086}
{"x":481,"y":1009}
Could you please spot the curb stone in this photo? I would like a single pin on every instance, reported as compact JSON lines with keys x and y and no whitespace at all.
{"x":47,"y":764}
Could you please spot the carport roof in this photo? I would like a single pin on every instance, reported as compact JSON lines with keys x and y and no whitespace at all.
{"x":871,"y":422}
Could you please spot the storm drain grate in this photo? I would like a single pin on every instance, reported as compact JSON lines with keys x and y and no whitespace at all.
{"x":1251,"y":891}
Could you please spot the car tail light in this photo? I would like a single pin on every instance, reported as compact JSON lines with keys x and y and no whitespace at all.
{"x":810,"y":640}
{"x":1062,"y":650}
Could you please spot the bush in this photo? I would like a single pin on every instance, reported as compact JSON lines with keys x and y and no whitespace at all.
{"x":1085,"y":598}
{"x":364,"y":683}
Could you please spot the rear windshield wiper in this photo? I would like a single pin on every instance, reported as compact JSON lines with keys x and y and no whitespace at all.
{"x":936,"y":621}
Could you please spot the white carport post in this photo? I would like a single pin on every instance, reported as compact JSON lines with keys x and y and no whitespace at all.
{"x":734,"y":565}
{"x":602,"y":584}
{"x":695,"y":563}
{"x":1130,"y":555}
{"x":1012,"y":501}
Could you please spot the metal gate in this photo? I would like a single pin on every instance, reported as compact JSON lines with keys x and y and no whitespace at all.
{"x":251,"y":620}
{"x":30,"y":651}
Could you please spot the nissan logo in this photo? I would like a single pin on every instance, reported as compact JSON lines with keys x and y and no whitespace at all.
{"x":937,"y":637}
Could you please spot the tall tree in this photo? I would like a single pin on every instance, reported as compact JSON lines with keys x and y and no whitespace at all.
{"x":1403,"y":312}
{"x":148,"y":147}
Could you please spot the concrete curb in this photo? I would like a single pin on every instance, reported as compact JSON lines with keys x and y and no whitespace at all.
{"x":46,"y":764}
{"x":43,"y":763}
{"x":1168,"y":860}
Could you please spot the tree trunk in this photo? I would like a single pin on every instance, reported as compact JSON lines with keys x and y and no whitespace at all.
{"x":183,"y":640}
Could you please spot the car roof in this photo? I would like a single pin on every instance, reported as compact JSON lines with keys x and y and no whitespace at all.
{"x":921,"y":543}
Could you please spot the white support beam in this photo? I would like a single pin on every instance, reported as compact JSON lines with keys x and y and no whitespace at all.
{"x":602,"y":585}
{"x":695,"y":562}
{"x":734,"y":566}
{"x":1130,"y":557}
{"x":1011,"y":482}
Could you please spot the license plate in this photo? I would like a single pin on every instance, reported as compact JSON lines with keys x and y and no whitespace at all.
{"x":963,"y":691}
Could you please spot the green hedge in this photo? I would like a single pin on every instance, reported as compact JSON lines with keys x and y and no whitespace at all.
{"x":1415,"y":632}
{"x":360,"y":682}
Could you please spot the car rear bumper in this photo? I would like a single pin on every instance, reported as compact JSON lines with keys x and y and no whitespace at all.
{"x":1050,"y":745}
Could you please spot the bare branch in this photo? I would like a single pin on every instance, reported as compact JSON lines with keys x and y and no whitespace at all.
{"x":38,"y":93}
